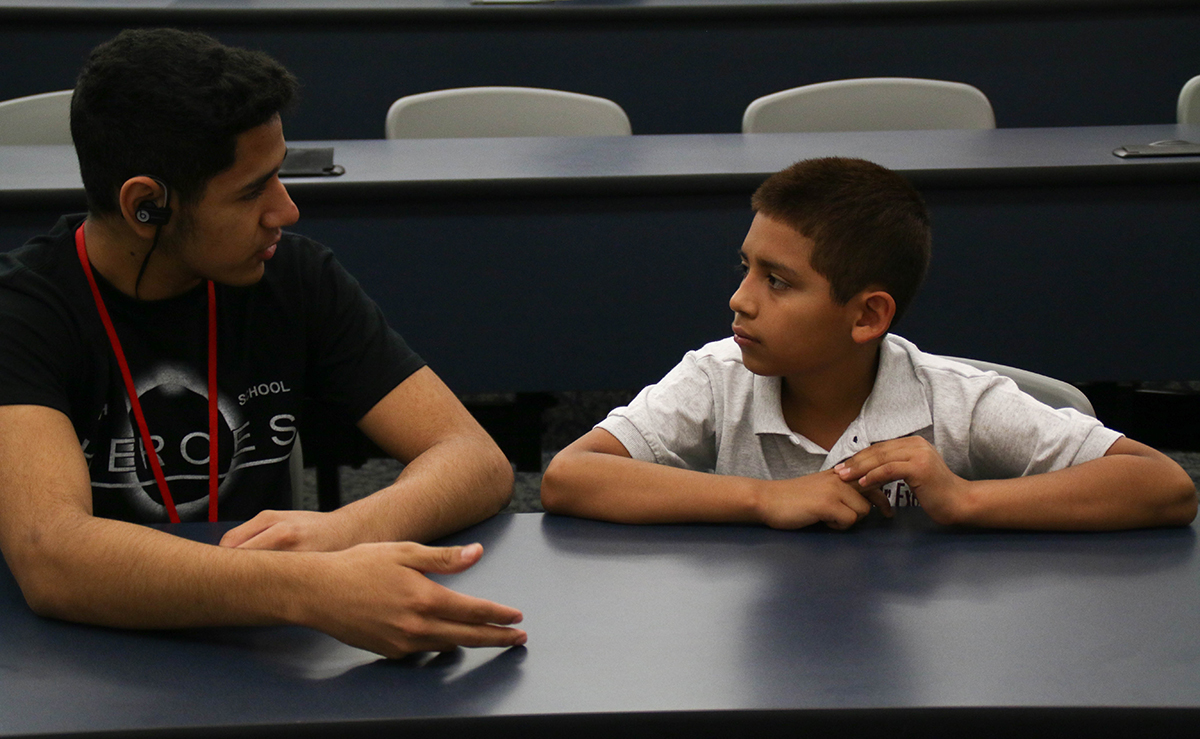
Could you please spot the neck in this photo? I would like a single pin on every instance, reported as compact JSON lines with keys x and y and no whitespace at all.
{"x":117,"y":253}
{"x":822,"y":405}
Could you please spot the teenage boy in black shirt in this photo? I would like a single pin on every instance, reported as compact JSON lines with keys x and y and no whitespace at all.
{"x":179,"y":317}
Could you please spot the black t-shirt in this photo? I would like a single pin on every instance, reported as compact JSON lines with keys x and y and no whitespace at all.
{"x":305,"y":329}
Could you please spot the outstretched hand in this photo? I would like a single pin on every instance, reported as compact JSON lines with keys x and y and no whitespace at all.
{"x":914,"y":460}
{"x":377,"y":597}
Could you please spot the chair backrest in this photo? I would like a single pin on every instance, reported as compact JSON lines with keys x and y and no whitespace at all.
{"x":1052,"y":392}
{"x":870,"y":104}
{"x":36,"y":119}
{"x":468,"y":112}
{"x":1188,"y":109}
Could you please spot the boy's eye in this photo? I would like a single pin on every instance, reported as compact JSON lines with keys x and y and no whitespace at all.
{"x":776,"y":283}
{"x":742,"y":269}
{"x":254,"y":194}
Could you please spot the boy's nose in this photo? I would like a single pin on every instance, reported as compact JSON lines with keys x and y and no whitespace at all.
{"x":740,"y":302}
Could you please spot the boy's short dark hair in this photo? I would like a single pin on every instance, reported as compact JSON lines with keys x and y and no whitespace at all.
{"x":868,"y":224}
{"x":168,"y":104}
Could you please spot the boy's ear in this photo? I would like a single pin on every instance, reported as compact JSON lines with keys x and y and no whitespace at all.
{"x":876,"y":310}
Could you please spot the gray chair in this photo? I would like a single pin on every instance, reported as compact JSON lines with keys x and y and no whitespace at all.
{"x":1187,"y":111}
{"x":36,"y":119}
{"x":871,"y":104}
{"x":469,"y":112}
{"x":1052,"y":392}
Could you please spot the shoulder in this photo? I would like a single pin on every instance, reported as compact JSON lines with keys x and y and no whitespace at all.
{"x":301,"y":270}
{"x":701,"y":377}
{"x":930,"y":365}
{"x":43,"y":274}
{"x":936,"y":373}
{"x":719,"y":359}
{"x":718,"y":368}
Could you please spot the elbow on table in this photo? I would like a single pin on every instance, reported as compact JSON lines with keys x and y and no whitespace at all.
{"x":556,"y":496}
{"x":1176,"y":502}
{"x":1181,"y":510}
{"x":499,"y":474}
{"x":47,"y":590}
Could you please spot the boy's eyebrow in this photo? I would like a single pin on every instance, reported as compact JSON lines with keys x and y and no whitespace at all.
{"x":770,"y":265}
{"x":261,"y":181}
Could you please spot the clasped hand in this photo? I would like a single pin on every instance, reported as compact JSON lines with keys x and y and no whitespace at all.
{"x":843,"y":496}
{"x":914,"y":460}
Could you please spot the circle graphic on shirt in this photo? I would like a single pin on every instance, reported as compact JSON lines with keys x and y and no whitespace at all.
{"x":183,"y":447}
{"x":175,"y":402}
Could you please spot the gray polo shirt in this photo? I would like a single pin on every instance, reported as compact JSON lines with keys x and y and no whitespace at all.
{"x":712,"y":414}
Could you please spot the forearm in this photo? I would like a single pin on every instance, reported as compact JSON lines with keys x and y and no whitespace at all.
{"x":624,"y":490}
{"x":1113,"y":492}
{"x":373,"y":596}
{"x":453,"y":484}
{"x":119,"y":574}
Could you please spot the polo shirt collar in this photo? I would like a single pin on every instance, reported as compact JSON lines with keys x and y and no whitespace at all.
{"x":766,"y":407}
{"x":897,"y":405}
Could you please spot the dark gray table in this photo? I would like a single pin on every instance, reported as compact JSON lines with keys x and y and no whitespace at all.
{"x":585,"y":264}
{"x":894,"y":629}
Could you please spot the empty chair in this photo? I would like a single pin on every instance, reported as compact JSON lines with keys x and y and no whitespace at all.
{"x":1188,"y":109}
{"x":870,"y":104}
{"x":36,"y":119}
{"x":1052,"y":392}
{"x":503,"y":111}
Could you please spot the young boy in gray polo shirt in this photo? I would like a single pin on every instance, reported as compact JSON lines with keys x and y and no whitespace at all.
{"x":812,"y":412}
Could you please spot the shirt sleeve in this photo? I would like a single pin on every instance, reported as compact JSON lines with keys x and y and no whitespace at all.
{"x":1013,"y":435}
{"x":671,"y":422}
{"x":35,"y":365}
{"x":354,"y":357}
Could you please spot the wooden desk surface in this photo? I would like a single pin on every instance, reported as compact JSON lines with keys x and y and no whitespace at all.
{"x":893,"y":625}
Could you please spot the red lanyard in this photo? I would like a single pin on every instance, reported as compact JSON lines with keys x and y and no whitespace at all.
{"x":147,"y":443}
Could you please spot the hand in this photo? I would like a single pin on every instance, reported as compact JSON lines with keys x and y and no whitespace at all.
{"x":823,"y":496}
{"x":289,"y":530}
{"x":377,"y":597}
{"x":915,"y":461}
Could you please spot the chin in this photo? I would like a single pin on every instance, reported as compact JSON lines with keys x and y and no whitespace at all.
{"x":757,"y":366}
{"x":243,"y":279}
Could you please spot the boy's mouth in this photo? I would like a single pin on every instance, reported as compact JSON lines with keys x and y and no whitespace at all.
{"x":742,"y":338}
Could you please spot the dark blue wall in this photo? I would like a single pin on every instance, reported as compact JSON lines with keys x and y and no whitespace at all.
{"x":678,"y":74}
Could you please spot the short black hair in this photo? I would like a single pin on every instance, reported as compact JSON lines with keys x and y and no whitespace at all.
{"x":168,"y":104}
{"x":869,"y":226}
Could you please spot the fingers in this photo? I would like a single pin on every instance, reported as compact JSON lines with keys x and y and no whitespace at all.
{"x":879,"y":499}
{"x":453,"y":636}
{"x":844,"y":517}
{"x":885,"y":473}
{"x":442,"y":560}
{"x":239,"y":535}
{"x":850,"y":508}
{"x":455,"y":607}
{"x":436,"y":618}
{"x":461,"y":621}
{"x":380,"y":599}
{"x":276,"y":536}
{"x":869,"y":469}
